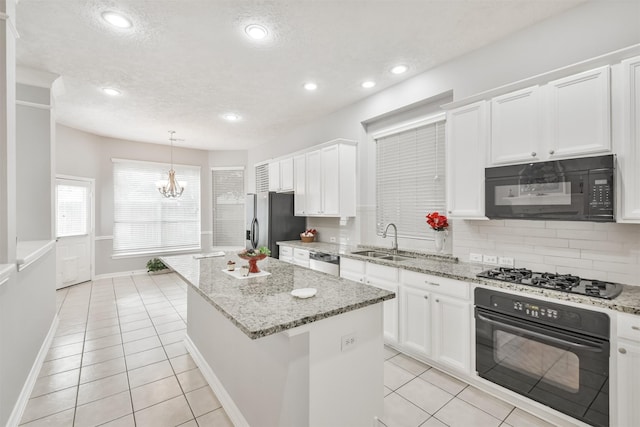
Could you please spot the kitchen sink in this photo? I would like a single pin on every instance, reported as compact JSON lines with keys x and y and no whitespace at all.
{"x":372,"y":254}
{"x":396,"y":257}
{"x":382,"y":255}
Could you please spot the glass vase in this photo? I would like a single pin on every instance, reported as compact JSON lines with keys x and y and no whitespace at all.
{"x":440,"y":240}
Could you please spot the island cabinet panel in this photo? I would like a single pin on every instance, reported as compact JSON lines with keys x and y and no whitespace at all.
{"x":627,"y":356}
{"x":301,"y":377}
{"x":516,"y":126}
{"x":467,"y":134}
{"x":579,"y":114}
{"x":628,"y":146}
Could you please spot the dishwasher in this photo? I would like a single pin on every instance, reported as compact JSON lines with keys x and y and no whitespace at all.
{"x":326,"y":263}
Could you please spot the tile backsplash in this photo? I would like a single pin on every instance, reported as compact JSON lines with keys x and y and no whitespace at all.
{"x":606,"y":251}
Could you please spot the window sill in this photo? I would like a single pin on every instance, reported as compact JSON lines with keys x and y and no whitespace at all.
{"x":155,"y":254}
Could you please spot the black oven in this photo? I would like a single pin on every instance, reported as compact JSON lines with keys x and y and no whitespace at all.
{"x":571,"y":190}
{"x":554,"y":354}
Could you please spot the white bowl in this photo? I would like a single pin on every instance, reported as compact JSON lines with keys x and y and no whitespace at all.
{"x":304,"y":292}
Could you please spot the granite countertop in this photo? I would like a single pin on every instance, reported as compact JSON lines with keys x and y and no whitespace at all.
{"x":262,"y":306}
{"x":446,"y":266}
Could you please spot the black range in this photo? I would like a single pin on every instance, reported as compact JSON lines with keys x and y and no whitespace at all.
{"x":559,"y":282}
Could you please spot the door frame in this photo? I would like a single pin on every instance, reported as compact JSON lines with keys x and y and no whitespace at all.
{"x":92,"y":228}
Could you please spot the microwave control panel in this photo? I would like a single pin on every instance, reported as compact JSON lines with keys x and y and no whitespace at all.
{"x":600,"y":190}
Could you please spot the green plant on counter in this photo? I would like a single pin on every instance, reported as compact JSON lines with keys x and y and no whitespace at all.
{"x":155,"y":264}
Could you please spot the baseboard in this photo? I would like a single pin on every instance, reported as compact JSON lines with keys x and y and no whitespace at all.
{"x":118,"y":274}
{"x":228,"y":404}
{"x":23,"y":398}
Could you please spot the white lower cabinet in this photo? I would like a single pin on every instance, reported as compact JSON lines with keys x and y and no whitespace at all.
{"x":301,"y":257}
{"x":382,"y":277}
{"x":435,"y":319}
{"x":285,"y":254}
{"x":430,"y":316}
{"x":628,"y":371}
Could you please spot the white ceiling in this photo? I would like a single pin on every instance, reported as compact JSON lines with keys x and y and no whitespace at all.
{"x":187,"y":62}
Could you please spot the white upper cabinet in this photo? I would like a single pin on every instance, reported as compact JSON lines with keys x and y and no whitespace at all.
{"x":299,"y":187}
{"x":516,"y":126}
{"x":331,"y":181}
{"x":274,"y":176}
{"x":579,"y":114}
{"x":628,"y":148}
{"x":467,"y":134}
{"x":281,"y":175}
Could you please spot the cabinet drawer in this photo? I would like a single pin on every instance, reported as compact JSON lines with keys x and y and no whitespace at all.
{"x":441,"y":285}
{"x":629,"y":326}
{"x":382,"y":272}
{"x":301,"y":254}
{"x":286,"y":251}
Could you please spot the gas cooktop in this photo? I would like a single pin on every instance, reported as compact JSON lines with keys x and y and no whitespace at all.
{"x":557,"y":282}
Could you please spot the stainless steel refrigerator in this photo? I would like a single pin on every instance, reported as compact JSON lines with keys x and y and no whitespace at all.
{"x":270,"y":219}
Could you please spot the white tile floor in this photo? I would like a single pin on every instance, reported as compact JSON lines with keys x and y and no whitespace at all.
{"x":118,"y":360}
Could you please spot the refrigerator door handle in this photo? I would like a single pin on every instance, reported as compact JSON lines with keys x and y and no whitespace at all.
{"x":254,"y":233}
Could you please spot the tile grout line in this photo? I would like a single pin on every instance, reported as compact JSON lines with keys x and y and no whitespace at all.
{"x":164,"y":350}
{"x":75,"y":408}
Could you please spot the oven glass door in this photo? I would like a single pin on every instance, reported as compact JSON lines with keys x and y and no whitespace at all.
{"x":559,"y":369}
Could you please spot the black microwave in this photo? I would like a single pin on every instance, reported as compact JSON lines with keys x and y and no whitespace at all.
{"x":567,"y":190}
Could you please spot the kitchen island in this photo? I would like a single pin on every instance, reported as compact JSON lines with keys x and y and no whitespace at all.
{"x":277,"y":360}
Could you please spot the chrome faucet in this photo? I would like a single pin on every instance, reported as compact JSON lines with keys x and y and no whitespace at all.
{"x":394,"y":244}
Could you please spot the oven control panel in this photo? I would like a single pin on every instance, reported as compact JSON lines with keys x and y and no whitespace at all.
{"x":534,"y":310}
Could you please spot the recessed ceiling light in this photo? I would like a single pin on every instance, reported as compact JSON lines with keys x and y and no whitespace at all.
{"x":399,"y":69}
{"x":256,"y":32}
{"x":368,"y":84}
{"x":111,"y":91}
{"x":117,"y":20}
{"x":310,"y":86}
{"x":231,"y":117}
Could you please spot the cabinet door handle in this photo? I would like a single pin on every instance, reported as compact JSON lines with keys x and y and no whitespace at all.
{"x":533,"y":154}
{"x":437,"y":300}
{"x":431,"y":283}
{"x":449,"y":211}
{"x":426,"y":297}
{"x":551,"y":152}
{"x":622,"y":350}
{"x":636,"y":328}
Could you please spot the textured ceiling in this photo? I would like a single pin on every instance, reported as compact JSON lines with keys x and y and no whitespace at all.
{"x":187,"y":62}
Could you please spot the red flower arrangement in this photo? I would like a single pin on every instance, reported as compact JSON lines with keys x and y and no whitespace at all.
{"x":437,"y":222}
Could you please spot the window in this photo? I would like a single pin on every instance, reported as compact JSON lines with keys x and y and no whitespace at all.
{"x":72,"y":216}
{"x":410,"y":176}
{"x":146,"y":222}
{"x":228,"y":206}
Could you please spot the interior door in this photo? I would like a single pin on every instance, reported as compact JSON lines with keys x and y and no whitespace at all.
{"x":73,"y":232}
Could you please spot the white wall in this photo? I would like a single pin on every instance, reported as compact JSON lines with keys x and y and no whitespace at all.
{"x":589,"y":30}
{"x":34,"y":197}
{"x":87,"y":155}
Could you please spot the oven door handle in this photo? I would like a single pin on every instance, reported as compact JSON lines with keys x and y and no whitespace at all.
{"x":588,"y":345}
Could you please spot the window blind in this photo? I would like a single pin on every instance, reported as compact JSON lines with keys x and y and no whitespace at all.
{"x":262,"y":178}
{"x":410,"y":179}
{"x":146,"y":222}
{"x":228,"y":206}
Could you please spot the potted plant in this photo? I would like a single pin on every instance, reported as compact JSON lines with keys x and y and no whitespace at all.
{"x":439,"y":224}
{"x":155,"y":266}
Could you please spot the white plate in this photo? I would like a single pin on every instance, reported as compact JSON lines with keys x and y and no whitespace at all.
{"x":304,"y":292}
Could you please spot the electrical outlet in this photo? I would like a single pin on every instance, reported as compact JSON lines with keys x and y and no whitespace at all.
{"x":505,"y":261}
{"x":475,"y":257}
{"x":348,"y":342}
{"x":332,"y":239}
{"x":490,"y":259}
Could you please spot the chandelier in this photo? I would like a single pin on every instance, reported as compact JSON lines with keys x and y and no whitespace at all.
{"x":171,"y":188}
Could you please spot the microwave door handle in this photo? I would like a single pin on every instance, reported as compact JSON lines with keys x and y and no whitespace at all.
{"x":588,"y":347}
